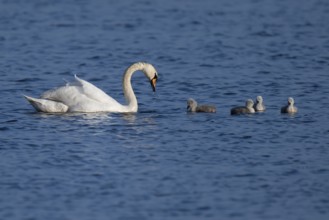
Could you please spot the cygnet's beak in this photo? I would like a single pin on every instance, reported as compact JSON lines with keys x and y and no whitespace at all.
{"x":154,"y":82}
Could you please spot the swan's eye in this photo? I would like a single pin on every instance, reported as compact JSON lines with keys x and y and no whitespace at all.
{"x":155,"y":76}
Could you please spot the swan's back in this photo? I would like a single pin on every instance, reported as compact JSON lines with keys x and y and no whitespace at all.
{"x":82,"y":96}
{"x":78,"y":101}
{"x":78,"y":89}
{"x":93,"y":92}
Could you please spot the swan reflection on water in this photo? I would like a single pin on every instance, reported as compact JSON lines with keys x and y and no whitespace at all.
{"x":95,"y":118}
{"x":102,"y":118}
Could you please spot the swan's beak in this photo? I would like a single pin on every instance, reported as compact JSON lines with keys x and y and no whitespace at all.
{"x":153,"y":83}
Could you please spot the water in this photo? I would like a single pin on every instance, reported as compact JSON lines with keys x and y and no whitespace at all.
{"x":162,"y":163}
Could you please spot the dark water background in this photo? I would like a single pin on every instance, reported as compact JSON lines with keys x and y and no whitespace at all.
{"x":162,"y":163}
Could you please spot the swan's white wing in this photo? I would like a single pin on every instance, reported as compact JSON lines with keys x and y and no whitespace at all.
{"x":68,"y":94}
{"x":79,"y":91}
{"x":82,"y":96}
{"x":93,"y":92}
{"x":77,"y":101}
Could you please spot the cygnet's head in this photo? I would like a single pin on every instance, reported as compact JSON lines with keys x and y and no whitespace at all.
{"x":291,"y":101}
{"x":191,"y":105}
{"x":259,"y":99}
{"x":249,"y":103}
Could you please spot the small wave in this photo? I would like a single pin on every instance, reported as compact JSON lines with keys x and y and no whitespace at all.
{"x":264,"y":34}
{"x":33,"y":79}
{"x":64,"y":25}
{"x":4,"y":128}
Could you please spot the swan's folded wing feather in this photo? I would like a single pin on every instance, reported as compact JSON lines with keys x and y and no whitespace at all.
{"x":82,"y":96}
{"x":73,"y":97}
{"x":93,"y":92}
{"x":66,"y":94}
{"x":44,"y":105}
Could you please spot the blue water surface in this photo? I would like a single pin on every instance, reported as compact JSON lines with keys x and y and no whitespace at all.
{"x":162,"y":163}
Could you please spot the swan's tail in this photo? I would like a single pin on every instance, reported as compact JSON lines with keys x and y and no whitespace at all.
{"x":44,"y":105}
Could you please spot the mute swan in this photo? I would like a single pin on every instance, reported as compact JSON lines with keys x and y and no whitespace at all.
{"x":192,"y":106}
{"x":290,"y":108}
{"x":82,"y":96}
{"x":244,"y":109}
{"x":259,"y":105}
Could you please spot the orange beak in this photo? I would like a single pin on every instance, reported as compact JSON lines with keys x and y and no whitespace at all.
{"x":153,"y":83}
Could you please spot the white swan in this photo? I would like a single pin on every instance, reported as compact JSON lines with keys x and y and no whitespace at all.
{"x":82,"y":96}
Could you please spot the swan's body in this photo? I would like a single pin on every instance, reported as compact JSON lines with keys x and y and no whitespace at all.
{"x":82,"y":96}
{"x":289,"y":108}
{"x":244,"y":109}
{"x":192,"y":106}
{"x":259,"y":105}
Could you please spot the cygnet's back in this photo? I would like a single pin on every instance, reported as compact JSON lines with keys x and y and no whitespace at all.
{"x":248,"y":109}
{"x":289,"y":108}
{"x":259,"y":105}
{"x":192,"y":106}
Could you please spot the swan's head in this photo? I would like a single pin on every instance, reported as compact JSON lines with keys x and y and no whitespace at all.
{"x":151,"y":73}
{"x":249,"y":103}
{"x":291,"y":101}
{"x":191,"y":105}
{"x":259,"y":99}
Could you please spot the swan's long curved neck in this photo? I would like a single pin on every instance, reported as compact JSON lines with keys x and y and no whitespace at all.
{"x":127,"y":88}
